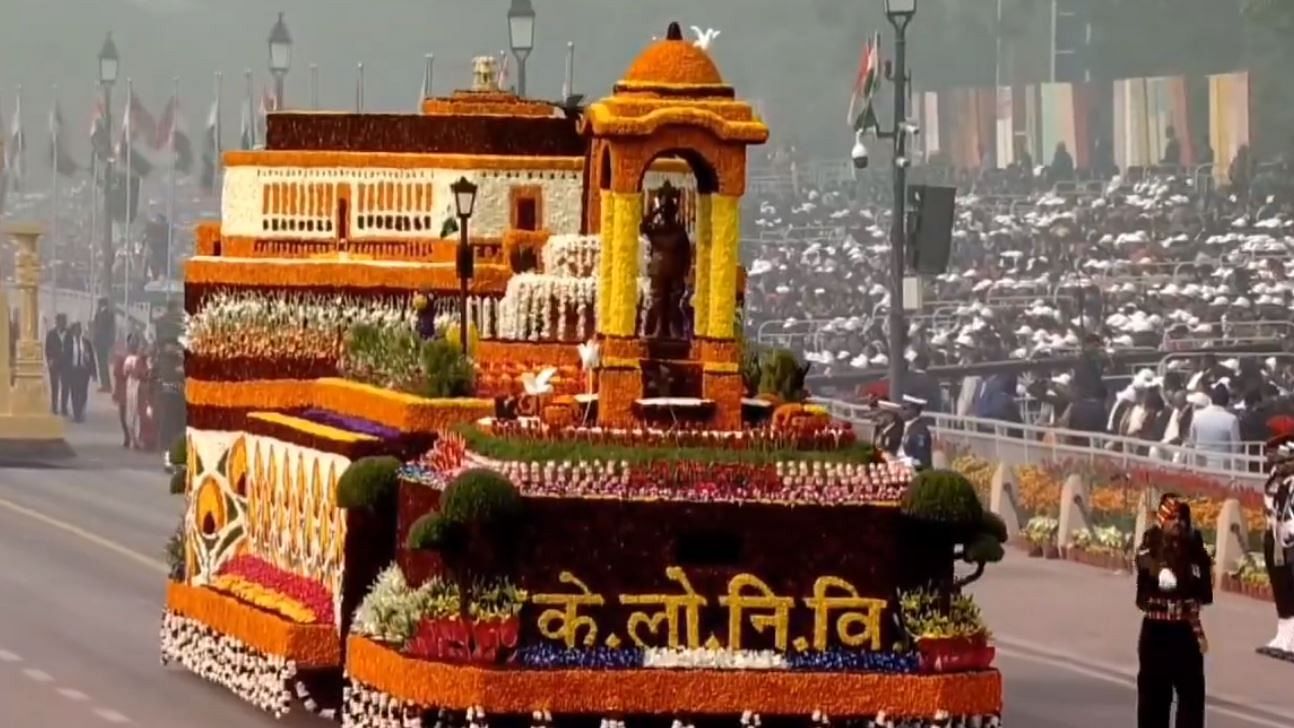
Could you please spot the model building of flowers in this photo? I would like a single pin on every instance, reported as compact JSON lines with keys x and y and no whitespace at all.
{"x":588,"y":499}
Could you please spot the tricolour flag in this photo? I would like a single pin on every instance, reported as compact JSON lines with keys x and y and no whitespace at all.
{"x":100,"y":144}
{"x":173,"y":137}
{"x":59,"y":158}
{"x":865,"y":82}
{"x":247,"y":132}
{"x":269,"y":103}
{"x":503,"y":71}
{"x":138,"y":135}
{"x":211,"y":147}
{"x":16,"y":152}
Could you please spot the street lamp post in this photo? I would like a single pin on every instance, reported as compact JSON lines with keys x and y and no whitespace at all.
{"x":280,"y":43}
{"x":899,"y":13}
{"x":521,"y":36}
{"x":108,"y":67}
{"x":464,"y":200}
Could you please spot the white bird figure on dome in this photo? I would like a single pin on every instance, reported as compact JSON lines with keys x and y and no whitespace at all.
{"x":539,"y":384}
{"x":704,"y":37}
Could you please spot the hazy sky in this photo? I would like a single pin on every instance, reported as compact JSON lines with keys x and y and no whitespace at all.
{"x":766,"y":46}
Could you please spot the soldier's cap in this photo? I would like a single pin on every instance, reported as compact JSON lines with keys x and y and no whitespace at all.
{"x":1280,"y":448}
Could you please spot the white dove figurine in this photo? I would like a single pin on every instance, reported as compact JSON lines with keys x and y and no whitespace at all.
{"x":589,"y":359}
{"x":539,"y":384}
{"x":704,"y":37}
{"x":589,"y":354}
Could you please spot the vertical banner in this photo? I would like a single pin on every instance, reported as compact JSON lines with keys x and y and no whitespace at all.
{"x":930,"y":122}
{"x":985,"y":128}
{"x":1057,"y":118}
{"x":1228,"y":118}
{"x":1033,"y":124}
{"x":1166,"y":106}
{"x":1132,"y":138}
{"x":1005,"y":128}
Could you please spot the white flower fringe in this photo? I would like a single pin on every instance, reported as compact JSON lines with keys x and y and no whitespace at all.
{"x":260,"y":679}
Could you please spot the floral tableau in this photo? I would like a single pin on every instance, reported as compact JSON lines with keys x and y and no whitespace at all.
{"x":307,"y":645}
{"x":262,"y":584}
{"x":667,"y":691}
{"x":215,"y":516}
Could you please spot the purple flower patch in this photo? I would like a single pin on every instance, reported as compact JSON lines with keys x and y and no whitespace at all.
{"x":350,"y":424}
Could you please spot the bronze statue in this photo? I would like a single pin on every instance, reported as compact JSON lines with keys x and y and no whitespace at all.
{"x":669,"y":266}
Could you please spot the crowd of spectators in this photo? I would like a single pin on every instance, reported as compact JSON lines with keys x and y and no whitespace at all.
{"x":1045,"y":267}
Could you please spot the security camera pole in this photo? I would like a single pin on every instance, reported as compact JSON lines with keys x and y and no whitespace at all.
{"x":899,"y":13}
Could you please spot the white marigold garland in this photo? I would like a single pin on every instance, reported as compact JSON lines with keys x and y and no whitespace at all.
{"x":364,"y":707}
{"x":262,"y":680}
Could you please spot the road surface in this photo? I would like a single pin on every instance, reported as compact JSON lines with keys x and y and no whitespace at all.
{"x":81,"y":594}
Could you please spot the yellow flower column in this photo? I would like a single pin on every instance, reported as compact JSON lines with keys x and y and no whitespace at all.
{"x":623,"y":306}
{"x":606,"y":263}
{"x":725,"y":232}
{"x":701,"y":267}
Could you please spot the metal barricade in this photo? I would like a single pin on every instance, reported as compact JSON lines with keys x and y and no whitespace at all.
{"x":1016,"y":444}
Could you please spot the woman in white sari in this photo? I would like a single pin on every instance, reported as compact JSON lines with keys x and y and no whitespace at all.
{"x":133,"y":365}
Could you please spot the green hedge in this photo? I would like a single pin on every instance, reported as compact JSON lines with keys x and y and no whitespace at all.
{"x":367,"y":481}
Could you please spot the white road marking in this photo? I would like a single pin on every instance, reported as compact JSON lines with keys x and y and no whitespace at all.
{"x":1130,"y":684}
{"x":85,"y":535}
{"x":111,"y":716}
{"x":39,"y":676}
{"x":76,"y":696}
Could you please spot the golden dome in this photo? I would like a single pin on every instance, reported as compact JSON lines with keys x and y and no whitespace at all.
{"x":673,"y":62}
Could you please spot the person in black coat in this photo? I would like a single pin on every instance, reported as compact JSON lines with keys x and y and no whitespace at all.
{"x":923,"y":386}
{"x":80,"y":368}
{"x":103,"y":329}
{"x":56,"y":362}
{"x":1174,"y":581}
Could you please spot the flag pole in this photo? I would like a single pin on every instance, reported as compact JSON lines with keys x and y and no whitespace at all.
{"x":217,"y":162}
{"x":170,"y":193}
{"x":359,"y":89}
{"x":20,"y":156}
{"x":569,"y":86}
{"x":94,"y":213}
{"x":314,"y":86}
{"x":53,"y":212}
{"x":428,"y":68}
{"x":126,"y":246}
{"x":251,"y":108}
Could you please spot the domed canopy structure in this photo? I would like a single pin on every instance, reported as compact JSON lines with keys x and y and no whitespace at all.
{"x":672,"y":102}
{"x":673,"y":63}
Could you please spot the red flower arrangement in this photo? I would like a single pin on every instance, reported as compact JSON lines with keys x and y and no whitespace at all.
{"x":489,"y":641}
{"x":312,"y":595}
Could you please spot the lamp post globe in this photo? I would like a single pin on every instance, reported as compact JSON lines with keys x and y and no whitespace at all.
{"x":902,"y":8}
{"x":521,"y":36}
{"x":464,"y":196}
{"x":464,"y":192}
{"x":280,"y":45}
{"x":108,"y":62}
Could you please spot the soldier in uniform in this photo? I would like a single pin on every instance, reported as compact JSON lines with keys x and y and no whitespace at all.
{"x":1278,"y":543}
{"x":918,"y":443}
{"x":1174,"y":581}
{"x":888,"y":432}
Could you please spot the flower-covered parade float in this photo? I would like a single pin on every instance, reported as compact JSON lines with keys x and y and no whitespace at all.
{"x":587,"y":500}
